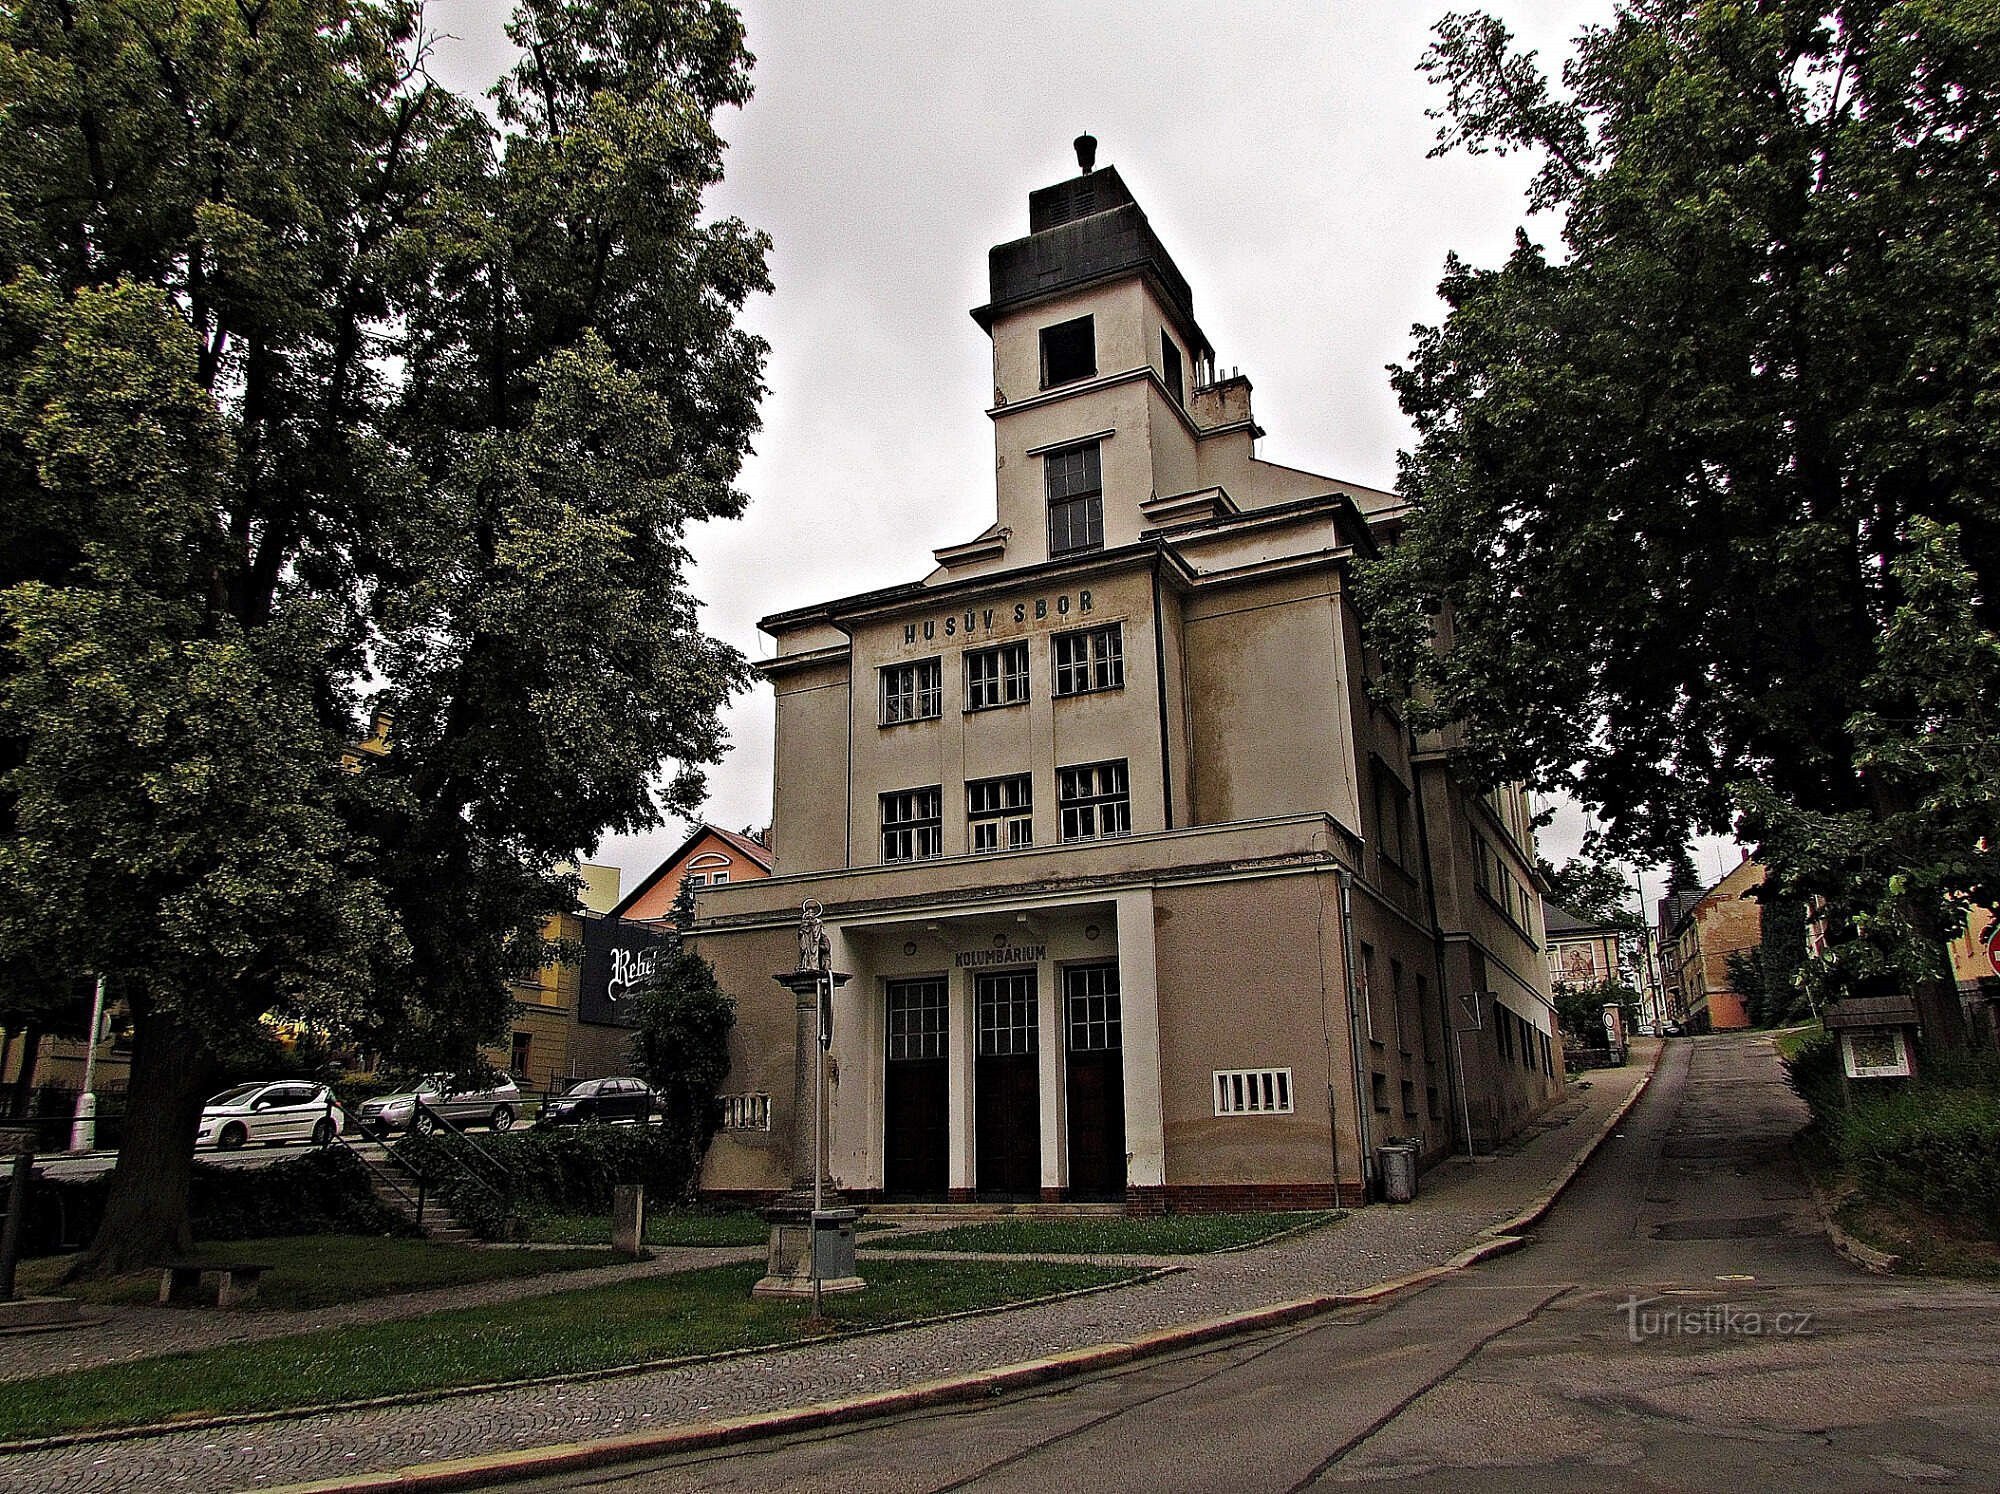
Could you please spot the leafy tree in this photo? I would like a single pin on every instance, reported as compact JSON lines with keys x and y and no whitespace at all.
{"x":681,"y":1047}
{"x":1593,"y":889}
{"x":1674,"y":483}
{"x":321,"y":394}
{"x":1580,"y":1010}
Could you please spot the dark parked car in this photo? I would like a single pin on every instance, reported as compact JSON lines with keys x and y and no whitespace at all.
{"x":622,"y":1099}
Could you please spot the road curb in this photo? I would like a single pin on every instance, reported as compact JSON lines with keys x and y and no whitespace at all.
{"x":571,"y":1457}
{"x":1867,"y":1257}
{"x":1538,"y":1210}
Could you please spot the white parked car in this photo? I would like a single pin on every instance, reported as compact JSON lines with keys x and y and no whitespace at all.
{"x":271,"y":1112}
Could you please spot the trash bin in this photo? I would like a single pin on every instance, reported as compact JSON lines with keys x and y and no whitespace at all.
{"x":1398,"y":1162}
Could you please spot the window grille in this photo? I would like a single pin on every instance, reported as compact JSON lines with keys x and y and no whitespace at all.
{"x":1095,"y":801}
{"x":911,"y":692}
{"x":749,"y":1112}
{"x":1090,"y":660}
{"x":1253,"y":1091}
{"x":912,"y":825}
{"x":1000,"y":812}
{"x":1090,"y":994}
{"x":917,"y":1019}
{"x":996,"y":676}
{"x":1006,"y":1011}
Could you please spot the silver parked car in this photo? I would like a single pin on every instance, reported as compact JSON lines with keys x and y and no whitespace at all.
{"x":463,"y":1103}
{"x":273,"y":1112}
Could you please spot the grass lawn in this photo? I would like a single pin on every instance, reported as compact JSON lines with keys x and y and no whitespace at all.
{"x":1792,"y":1039}
{"x":590,"y":1328}
{"x":663,"y":1227}
{"x":320,"y":1270}
{"x":667,"y":1227}
{"x":1173,"y":1234}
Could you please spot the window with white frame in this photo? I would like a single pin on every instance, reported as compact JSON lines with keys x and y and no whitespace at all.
{"x":911,"y":692}
{"x":1253,"y":1091}
{"x":1094,"y":800}
{"x":996,"y":676}
{"x":1091,"y":660}
{"x":1092,"y":1008}
{"x":912,"y":827}
{"x":1000,"y":812}
{"x":917,"y":1018}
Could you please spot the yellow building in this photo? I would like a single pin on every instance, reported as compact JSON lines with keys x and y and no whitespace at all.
{"x":1144,"y":894}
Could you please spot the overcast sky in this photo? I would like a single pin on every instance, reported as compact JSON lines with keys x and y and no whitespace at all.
{"x":1279,"y":150}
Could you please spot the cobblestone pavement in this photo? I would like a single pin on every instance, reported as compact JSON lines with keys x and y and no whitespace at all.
{"x":1459,"y":1199}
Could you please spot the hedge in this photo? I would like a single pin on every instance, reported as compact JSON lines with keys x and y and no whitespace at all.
{"x":323,"y":1192}
{"x":567,"y":1169}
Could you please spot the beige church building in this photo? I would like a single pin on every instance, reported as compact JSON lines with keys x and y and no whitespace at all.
{"x":1143,"y":896}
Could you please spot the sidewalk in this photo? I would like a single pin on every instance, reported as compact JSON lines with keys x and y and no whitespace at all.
{"x":1459,"y":1202}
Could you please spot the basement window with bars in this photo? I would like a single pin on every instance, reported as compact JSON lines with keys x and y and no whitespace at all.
{"x":750,"y":1112}
{"x":1095,"y":801}
{"x":1253,"y":1091}
{"x":1091,"y":660}
{"x":912,"y":827}
{"x":1000,"y":812}
{"x":996,"y":676}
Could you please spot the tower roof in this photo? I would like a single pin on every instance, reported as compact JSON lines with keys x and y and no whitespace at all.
{"x":1080,"y":232}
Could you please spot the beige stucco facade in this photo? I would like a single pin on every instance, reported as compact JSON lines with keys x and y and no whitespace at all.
{"x":1142,"y":894}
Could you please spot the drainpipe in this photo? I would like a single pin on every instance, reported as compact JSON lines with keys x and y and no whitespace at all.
{"x":1361,"y":1118}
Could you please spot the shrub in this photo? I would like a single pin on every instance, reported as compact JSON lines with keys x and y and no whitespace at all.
{"x":1935,"y":1145}
{"x":568,"y":1169}
{"x":1813,"y":1071}
{"x":325,"y":1191}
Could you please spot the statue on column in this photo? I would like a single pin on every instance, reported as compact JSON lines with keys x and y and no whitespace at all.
{"x":815,"y":949}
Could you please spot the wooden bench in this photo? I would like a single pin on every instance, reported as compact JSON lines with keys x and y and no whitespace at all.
{"x":235,"y":1282}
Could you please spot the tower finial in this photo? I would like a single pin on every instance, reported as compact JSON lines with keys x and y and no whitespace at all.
{"x":1086,"y":153}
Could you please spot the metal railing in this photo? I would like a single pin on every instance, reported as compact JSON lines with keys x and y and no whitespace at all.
{"x":417,"y":1200}
{"x":498,"y":1184}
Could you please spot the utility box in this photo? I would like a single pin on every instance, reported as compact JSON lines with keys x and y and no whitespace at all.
{"x":833,"y":1244}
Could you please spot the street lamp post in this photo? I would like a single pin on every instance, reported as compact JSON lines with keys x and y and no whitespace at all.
{"x":83,"y":1129}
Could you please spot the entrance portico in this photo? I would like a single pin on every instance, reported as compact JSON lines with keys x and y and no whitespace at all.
{"x":1008,"y":1052}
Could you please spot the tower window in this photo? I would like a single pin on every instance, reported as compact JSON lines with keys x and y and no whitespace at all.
{"x":1069,"y":352}
{"x":1075,"y":484}
{"x":1170,"y":369}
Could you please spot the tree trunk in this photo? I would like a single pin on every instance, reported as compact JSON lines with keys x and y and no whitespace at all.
{"x":24,"y":1082}
{"x":146,"y":1216}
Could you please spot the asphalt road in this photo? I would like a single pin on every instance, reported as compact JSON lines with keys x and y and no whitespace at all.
{"x":1678,"y":1323}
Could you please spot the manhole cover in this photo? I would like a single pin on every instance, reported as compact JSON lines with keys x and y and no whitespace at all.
{"x":1719,"y":1229}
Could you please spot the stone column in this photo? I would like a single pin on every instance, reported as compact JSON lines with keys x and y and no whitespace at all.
{"x":1139,"y":1004}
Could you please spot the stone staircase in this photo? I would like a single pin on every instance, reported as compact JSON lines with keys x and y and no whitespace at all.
{"x":438,"y":1223}
{"x":971,"y":1213}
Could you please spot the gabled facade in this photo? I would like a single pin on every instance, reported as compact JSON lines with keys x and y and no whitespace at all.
{"x":1144,"y":895}
{"x":709,"y":857}
{"x":1726,"y":919}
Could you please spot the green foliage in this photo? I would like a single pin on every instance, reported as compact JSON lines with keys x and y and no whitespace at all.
{"x":324,"y":1191}
{"x":1933,"y":1141}
{"x":1594,"y":889}
{"x":324,"y":394}
{"x":552,"y":1170}
{"x":1703,"y":507}
{"x":1580,"y":1010}
{"x":682,"y":1045}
